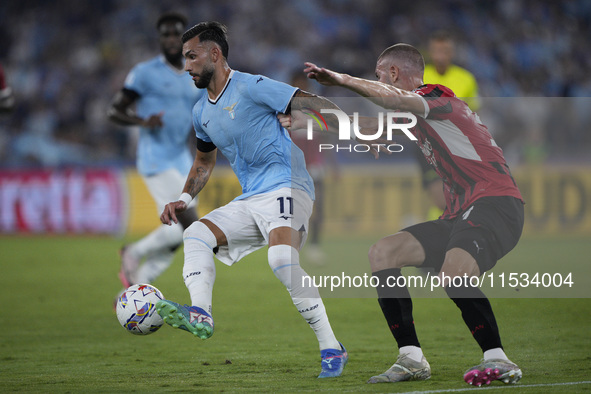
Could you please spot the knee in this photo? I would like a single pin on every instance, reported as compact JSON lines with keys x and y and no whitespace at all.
{"x":282,"y":256}
{"x":458,"y":263}
{"x":193,"y":230}
{"x":199,"y":232}
{"x":384,"y":255}
{"x":396,"y":251}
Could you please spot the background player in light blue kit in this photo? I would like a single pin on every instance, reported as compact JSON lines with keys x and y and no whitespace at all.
{"x":161,"y":91}
{"x":238,"y":116}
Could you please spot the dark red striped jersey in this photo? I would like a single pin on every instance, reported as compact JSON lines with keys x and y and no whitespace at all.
{"x":461,"y":150}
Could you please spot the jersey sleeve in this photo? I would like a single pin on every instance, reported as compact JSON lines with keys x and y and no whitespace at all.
{"x":437,"y":101}
{"x":135,"y":80}
{"x":273,"y":94}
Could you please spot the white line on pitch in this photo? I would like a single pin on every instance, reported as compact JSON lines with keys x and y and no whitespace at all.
{"x":514,"y":386}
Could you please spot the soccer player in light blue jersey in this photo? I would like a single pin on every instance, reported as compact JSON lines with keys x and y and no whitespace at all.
{"x":163,"y":97}
{"x":238,"y":116}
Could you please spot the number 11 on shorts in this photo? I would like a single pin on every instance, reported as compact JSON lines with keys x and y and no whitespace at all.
{"x":282,"y":204}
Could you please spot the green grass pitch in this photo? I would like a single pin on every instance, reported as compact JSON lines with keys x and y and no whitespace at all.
{"x":59,"y":332}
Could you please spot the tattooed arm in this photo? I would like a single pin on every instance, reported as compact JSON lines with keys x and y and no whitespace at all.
{"x":200,"y":172}
{"x":196,"y":180}
{"x":305,"y":101}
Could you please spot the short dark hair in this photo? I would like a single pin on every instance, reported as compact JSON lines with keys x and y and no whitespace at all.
{"x":209,"y":31}
{"x":408,"y":54}
{"x":171,"y":17}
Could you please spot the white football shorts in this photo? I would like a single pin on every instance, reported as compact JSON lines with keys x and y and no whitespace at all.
{"x":247,"y":223}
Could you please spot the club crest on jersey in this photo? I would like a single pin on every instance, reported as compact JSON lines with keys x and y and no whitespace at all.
{"x":230,"y":110}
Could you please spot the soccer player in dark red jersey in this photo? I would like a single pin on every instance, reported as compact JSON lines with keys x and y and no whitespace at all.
{"x":482,"y":221}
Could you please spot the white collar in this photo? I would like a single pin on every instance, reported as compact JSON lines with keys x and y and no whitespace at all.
{"x":223,"y":90}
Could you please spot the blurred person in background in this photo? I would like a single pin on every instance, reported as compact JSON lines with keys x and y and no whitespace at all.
{"x":442,"y":71}
{"x":515,"y":48}
{"x":6,"y":95}
{"x":163,"y":96}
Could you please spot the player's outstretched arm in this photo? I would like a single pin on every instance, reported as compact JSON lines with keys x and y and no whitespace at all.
{"x":120,"y":111}
{"x":382,"y":94}
{"x":304,"y":102}
{"x":297,"y":118}
{"x":196,"y":180}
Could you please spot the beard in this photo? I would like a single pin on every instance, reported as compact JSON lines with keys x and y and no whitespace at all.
{"x":173,"y":57}
{"x":204,"y":78}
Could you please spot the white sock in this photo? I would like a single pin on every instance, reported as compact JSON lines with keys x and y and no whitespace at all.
{"x":199,"y":268}
{"x":163,"y":237}
{"x":284,"y":260}
{"x":496,"y":353}
{"x":154,"y":266}
{"x":415,"y":353}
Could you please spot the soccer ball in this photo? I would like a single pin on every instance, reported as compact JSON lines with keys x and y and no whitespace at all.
{"x":136,"y":309}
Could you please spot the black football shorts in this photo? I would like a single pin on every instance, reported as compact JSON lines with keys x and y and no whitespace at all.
{"x":488,"y":229}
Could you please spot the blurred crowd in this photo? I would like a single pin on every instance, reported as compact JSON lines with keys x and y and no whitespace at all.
{"x":65,"y":59}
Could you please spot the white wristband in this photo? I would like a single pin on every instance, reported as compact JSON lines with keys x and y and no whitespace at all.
{"x":186,"y":198}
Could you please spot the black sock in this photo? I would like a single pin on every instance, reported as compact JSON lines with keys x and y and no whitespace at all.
{"x":477,"y":314}
{"x":397,"y":308}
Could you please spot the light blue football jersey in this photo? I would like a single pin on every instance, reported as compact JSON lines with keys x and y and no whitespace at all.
{"x":163,"y":89}
{"x":242,"y":123}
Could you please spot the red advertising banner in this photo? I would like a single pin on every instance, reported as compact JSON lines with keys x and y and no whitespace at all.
{"x":62,"y":201}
